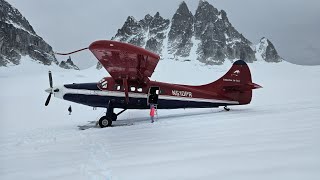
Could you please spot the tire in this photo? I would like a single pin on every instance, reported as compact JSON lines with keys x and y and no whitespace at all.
{"x":105,"y":122}
{"x":226,"y":108}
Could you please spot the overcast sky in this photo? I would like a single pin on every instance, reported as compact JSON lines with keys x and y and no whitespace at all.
{"x":292,"y":25}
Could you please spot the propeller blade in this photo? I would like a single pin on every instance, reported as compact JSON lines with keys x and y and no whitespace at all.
{"x":50,"y":79}
{"x":48,"y":100}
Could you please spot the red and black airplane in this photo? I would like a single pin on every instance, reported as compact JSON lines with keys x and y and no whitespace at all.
{"x":129,"y":86}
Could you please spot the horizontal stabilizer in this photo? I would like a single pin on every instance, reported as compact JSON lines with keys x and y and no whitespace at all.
{"x":241,"y":88}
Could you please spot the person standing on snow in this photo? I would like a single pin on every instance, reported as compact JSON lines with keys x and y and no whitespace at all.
{"x":70,"y":110}
{"x":152,"y":111}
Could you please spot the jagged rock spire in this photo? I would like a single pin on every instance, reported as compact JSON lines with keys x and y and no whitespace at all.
{"x":148,"y":32}
{"x":157,"y":29}
{"x":181,"y":32}
{"x":68,"y":64}
{"x":266,"y":51}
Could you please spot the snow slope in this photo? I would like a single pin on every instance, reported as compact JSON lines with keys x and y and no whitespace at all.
{"x":275,"y":137}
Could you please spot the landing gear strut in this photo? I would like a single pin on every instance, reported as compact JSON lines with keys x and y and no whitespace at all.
{"x":226,"y":108}
{"x":106,"y":121}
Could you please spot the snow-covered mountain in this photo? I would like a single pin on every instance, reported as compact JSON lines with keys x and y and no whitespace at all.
{"x":18,"y":39}
{"x":207,"y":36}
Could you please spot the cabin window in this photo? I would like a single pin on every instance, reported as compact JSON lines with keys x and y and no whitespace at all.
{"x":162,"y":91}
{"x":139,"y":89}
{"x":132,"y":88}
{"x":117,"y":87}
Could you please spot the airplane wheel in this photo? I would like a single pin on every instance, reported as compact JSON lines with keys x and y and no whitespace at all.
{"x":226,"y":108}
{"x":105,"y":122}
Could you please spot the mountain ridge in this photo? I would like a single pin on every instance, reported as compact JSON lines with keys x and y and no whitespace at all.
{"x":208,"y":33}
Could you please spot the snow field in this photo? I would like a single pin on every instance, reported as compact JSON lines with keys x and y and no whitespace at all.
{"x":275,"y":137}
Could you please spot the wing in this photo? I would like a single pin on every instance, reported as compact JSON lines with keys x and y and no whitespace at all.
{"x":125,"y":61}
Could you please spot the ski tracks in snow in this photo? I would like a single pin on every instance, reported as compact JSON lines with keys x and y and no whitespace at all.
{"x":96,"y":165}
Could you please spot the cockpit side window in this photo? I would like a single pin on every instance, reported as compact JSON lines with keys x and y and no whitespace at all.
{"x":103,"y":83}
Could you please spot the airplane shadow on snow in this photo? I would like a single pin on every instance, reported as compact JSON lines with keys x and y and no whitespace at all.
{"x":133,"y":121}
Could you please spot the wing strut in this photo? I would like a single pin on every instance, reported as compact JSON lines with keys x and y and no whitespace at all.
{"x":64,"y":54}
{"x":126,"y":89}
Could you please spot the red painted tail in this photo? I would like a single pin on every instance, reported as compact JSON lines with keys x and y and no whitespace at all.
{"x":236,"y":84}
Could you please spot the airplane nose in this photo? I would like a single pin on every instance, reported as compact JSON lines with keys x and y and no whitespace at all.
{"x":49,"y":90}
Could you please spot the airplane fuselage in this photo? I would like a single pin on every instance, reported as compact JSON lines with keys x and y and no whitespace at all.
{"x":169,"y":96}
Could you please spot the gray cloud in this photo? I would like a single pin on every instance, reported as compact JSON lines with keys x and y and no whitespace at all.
{"x":292,"y":25}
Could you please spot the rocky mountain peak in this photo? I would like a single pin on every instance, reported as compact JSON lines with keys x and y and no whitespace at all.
{"x":68,"y":64}
{"x":148,"y":17}
{"x":181,"y":32}
{"x":18,"y":38}
{"x":223,"y":16}
{"x":157,"y":15}
{"x":156,"y":33}
{"x":12,"y":15}
{"x":158,"y":23}
{"x":219,"y":40}
{"x":145,"y":23}
{"x":183,"y":7}
{"x":206,"y":7}
{"x":266,"y":51}
{"x":148,"y":32}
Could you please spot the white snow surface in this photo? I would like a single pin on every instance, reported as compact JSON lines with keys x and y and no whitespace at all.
{"x":275,"y":137}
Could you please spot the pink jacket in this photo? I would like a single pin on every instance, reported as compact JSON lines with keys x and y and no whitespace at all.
{"x":152,"y":110}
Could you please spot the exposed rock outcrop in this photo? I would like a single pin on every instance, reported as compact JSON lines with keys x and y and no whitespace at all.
{"x":68,"y":64}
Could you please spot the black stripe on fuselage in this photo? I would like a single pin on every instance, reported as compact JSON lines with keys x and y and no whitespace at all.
{"x":135,"y":103}
{"x":83,"y":86}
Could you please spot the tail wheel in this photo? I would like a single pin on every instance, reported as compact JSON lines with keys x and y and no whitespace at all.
{"x":105,"y":122}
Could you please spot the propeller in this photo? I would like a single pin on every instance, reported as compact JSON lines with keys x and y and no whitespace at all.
{"x":50,"y":79}
{"x":50,"y":89}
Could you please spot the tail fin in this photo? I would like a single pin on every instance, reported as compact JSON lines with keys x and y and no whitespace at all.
{"x":236,"y":84}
